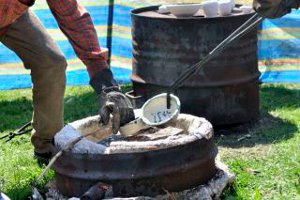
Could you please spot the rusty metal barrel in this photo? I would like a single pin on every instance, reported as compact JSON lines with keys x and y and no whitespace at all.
{"x":140,"y":165}
{"x":226,"y":91}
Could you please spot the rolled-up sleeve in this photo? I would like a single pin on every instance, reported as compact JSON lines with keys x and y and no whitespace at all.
{"x":76,"y":23}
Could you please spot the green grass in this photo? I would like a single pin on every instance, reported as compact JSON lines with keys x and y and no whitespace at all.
{"x":17,"y":167}
{"x":267,"y":165}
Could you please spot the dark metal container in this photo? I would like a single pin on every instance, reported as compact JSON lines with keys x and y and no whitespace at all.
{"x":134,"y":174}
{"x":225,"y":92}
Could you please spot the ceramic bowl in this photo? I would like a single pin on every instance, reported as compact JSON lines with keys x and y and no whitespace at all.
{"x":246,"y":9}
{"x":183,"y":10}
{"x":210,"y":8}
{"x":232,"y":4}
{"x":225,"y":8}
{"x":154,"y":112}
{"x":163,"y":9}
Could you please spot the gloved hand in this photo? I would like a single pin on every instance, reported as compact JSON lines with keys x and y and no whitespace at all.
{"x":111,"y":100}
{"x":274,"y":8}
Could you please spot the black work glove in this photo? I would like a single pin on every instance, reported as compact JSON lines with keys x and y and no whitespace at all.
{"x":274,"y":8}
{"x":111,"y":100}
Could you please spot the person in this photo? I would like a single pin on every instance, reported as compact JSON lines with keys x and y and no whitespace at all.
{"x":274,"y":8}
{"x":23,"y":33}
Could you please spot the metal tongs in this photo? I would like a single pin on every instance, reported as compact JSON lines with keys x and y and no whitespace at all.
{"x":26,"y":128}
{"x":239,"y":32}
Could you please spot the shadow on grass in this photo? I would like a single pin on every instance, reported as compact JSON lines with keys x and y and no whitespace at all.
{"x":16,"y":110}
{"x":19,"y":192}
{"x":24,"y":191}
{"x":229,"y":193}
{"x":15,"y":113}
{"x":267,"y":129}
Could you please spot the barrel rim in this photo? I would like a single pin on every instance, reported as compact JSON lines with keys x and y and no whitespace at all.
{"x":135,"y":13}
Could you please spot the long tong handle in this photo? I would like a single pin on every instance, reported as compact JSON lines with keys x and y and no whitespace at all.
{"x":242,"y":30}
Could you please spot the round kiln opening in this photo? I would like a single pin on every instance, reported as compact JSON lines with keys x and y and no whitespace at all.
{"x":174,"y":157}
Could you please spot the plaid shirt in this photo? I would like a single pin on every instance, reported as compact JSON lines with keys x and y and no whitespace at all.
{"x":74,"y":21}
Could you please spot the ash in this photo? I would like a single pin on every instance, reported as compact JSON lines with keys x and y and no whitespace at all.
{"x":154,"y":138}
{"x":107,"y":141}
{"x":210,"y":191}
{"x":68,"y":134}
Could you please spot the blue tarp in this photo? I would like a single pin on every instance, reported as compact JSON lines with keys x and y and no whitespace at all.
{"x":278,"y":47}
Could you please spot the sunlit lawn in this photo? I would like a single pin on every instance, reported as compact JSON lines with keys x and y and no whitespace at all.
{"x":267,"y":164}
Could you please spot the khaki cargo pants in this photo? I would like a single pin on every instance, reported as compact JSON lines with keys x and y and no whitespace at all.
{"x":39,"y":53}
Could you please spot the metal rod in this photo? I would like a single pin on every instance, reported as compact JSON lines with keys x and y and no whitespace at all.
{"x":67,"y":147}
{"x":242,"y":30}
{"x":110,"y":20}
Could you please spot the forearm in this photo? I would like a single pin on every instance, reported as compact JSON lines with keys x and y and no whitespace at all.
{"x":77,"y":25}
{"x":274,"y":8}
